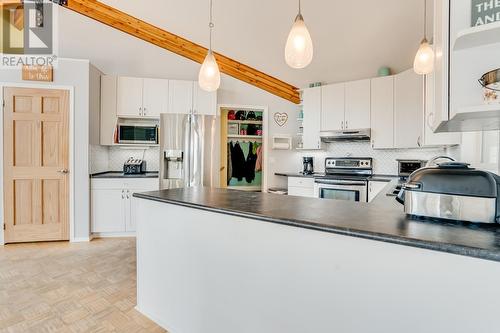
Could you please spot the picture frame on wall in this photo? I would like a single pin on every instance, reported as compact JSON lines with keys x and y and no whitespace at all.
{"x":484,"y":12}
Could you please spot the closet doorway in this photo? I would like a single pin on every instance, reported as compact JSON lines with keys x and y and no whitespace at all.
{"x":243,"y":150}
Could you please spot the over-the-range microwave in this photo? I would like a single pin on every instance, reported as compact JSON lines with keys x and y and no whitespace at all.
{"x":137,"y":134}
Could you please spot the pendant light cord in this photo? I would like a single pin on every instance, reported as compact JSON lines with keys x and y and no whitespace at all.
{"x":300,"y":8}
{"x":211,"y":26}
{"x":425,"y":19}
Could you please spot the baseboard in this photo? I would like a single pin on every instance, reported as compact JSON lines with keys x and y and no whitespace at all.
{"x":157,"y":321}
{"x":80,"y":239}
{"x":112,"y":234}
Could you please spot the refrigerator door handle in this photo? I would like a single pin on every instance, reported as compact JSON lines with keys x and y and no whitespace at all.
{"x":187,"y":151}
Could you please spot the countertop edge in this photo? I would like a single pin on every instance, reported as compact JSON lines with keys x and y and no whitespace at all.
{"x":461,"y":250}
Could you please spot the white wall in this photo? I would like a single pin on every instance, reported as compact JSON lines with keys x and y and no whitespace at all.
{"x":72,"y":73}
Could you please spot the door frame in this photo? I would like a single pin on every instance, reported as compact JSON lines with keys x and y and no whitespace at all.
{"x":71,"y":138}
{"x":265,"y":136}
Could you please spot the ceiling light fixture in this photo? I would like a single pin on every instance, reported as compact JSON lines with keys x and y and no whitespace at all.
{"x":209,"y":76}
{"x":299,"y":45}
{"x":424,"y":59}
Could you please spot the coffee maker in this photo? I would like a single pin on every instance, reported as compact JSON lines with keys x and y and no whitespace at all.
{"x":308,"y":165}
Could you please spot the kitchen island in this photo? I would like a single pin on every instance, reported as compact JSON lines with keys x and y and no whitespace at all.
{"x":215,"y":260}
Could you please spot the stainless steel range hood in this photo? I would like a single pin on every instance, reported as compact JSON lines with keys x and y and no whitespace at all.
{"x":346,"y":135}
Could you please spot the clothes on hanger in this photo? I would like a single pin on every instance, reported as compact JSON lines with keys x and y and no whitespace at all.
{"x":258,"y":163}
{"x":237,"y":161}
{"x":229,"y":162}
{"x":250,"y":164}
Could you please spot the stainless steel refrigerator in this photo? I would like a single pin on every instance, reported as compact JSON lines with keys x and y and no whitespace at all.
{"x":188,"y":147}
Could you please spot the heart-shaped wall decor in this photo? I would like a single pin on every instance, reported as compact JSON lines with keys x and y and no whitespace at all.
{"x":280,"y":118}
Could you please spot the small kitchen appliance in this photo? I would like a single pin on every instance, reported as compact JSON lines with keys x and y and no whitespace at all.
{"x":308,"y":165}
{"x":138,"y":133}
{"x":452,"y":191}
{"x":345,"y":178}
{"x":407,"y":167}
{"x":134,"y":166}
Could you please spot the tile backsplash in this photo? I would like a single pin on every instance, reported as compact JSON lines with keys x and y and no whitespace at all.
{"x":384,"y":161}
{"x":104,"y":158}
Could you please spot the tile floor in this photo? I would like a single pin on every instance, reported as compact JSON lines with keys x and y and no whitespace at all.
{"x":63,"y":287}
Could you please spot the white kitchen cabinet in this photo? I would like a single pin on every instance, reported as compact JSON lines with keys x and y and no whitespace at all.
{"x":108,"y":110}
{"x":431,"y":138}
{"x":129,"y":97}
{"x":204,"y":102}
{"x":180,"y":94}
{"x":113,"y":206}
{"x":187,"y":97}
{"x":357,"y":104}
{"x":141,"y":98}
{"x":108,"y":210}
{"x":312,"y":118}
{"x":332,"y":107}
{"x":155,"y":97}
{"x":374,"y":189}
{"x":382,"y":112}
{"x":301,"y":187}
{"x":408,"y":109}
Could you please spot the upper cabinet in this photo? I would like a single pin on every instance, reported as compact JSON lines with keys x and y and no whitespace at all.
{"x":408,"y":109}
{"x":311,"y":98}
{"x":141,"y":98}
{"x":155,"y":97}
{"x":180,"y":95}
{"x":345,"y":106}
{"x":382,"y":112}
{"x":187,"y":97}
{"x":332,"y":107}
{"x":357,"y":104}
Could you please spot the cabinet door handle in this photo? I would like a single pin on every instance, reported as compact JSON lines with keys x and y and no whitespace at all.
{"x":140,"y":111}
{"x":342,"y":124}
{"x":346,"y":125}
{"x":418,"y":141}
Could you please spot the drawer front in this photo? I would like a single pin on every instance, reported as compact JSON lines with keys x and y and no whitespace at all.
{"x":301,"y":191}
{"x":301,"y":182}
{"x":125,"y":183}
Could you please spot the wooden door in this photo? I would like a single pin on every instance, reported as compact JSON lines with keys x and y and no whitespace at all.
{"x":155,"y":98}
{"x":333,"y":107}
{"x":129,"y":97}
{"x":382,"y":112}
{"x":357,"y":104}
{"x":36,"y":149}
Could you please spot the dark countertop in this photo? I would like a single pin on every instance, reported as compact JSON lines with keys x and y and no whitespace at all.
{"x":119,"y":174}
{"x":381,"y":220}
{"x":375,"y":177}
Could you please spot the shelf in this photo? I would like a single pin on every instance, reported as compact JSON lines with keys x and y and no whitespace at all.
{"x":477,"y":36}
{"x":479,"y":108}
{"x":300,"y":119}
{"x":244,"y":136}
{"x":253,"y":122}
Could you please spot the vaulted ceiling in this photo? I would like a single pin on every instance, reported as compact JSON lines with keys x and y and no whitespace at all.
{"x":352,"y":38}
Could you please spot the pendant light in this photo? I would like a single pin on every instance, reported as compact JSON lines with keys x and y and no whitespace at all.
{"x":209,"y":76}
{"x":299,"y":45}
{"x":424,"y":59}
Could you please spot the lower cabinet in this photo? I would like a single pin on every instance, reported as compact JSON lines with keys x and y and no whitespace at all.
{"x":374,"y":188}
{"x":112,"y":203}
{"x":301,"y":187}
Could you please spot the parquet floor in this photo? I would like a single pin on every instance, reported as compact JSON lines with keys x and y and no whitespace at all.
{"x":64,"y":287}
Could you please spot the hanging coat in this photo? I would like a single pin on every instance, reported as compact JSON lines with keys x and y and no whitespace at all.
{"x":258,"y":163}
{"x":250,"y":165}
{"x":238,"y":162}
{"x":229,"y":162}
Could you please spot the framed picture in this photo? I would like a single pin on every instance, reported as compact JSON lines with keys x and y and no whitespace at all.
{"x":484,"y":12}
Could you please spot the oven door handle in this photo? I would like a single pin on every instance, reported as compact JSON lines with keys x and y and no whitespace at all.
{"x":340,"y":184}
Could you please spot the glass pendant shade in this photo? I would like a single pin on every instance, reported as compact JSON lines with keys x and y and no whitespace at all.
{"x":424,"y":60}
{"x":209,"y":76}
{"x":299,"y":45}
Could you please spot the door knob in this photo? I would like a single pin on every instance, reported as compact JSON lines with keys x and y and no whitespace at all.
{"x":63,"y":171}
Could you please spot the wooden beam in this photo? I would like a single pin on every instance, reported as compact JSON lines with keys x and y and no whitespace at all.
{"x":181,"y":46}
